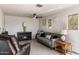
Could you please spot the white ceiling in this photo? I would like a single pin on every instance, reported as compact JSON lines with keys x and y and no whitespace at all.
{"x":29,"y":9}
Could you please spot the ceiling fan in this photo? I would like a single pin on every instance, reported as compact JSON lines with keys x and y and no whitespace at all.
{"x":35,"y":16}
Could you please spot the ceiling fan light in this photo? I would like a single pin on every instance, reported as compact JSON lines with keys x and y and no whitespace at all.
{"x":39,"y":5}
{"x":34,"y":17}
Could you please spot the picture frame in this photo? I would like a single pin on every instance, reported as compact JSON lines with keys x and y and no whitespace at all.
{"x":73,"y":22}
{"x":49,"y":23}
{"x":44,"y":22}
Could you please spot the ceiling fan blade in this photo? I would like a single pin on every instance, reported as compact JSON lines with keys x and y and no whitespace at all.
{"x":36,"y":17}
{"x":39,"y":17}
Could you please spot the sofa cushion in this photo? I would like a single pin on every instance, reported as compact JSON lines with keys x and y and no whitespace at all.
{"x":4,"y":47}
{"x":57,"y":36}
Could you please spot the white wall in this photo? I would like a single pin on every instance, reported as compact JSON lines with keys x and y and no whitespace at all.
{"x":1,"y":21}
{"x":13,"y":24}
{"x":60,"y":22}
{"x":56,"y":24}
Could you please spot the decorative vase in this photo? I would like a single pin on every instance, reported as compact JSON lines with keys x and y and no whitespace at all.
{"x":24,"y":27}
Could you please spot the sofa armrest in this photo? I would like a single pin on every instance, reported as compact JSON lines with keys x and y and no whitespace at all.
{"x":23,"y":45}
{"x":53,"y":42}
{"x":25,"y":50}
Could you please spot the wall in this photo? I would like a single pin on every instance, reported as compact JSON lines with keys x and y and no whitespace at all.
{"x":13,"y":24}
{"x":56,"y":24}
{"x":60,"y":22}
{"x":1,"y":20}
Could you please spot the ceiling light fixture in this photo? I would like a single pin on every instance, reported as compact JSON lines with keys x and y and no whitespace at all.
{"x":39,"y":5}
{"x":35,"y":16}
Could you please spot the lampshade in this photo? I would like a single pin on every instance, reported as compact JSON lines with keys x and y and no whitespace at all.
{"x":64,"y":32}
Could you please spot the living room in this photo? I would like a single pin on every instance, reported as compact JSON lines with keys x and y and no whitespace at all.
{"x":37,"y":18}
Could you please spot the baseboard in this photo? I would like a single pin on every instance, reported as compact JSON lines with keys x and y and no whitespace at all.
{"x":75,"y":52}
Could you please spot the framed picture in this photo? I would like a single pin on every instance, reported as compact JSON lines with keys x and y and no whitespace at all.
{"x":73,"y":22}
{"x":49,"y":23}
{"x":44,"y":22}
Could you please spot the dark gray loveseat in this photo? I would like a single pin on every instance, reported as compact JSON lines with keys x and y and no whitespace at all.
{"x":10,"y":46}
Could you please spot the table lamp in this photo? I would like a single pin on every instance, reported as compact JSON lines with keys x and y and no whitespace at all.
{"x":64,"y":33}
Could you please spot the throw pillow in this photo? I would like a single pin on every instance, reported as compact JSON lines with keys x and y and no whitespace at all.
{"x":48,"y":36}
{"x":43,"y":35}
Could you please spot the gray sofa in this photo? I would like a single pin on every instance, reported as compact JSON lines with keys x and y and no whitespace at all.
{"x":41,"y":37}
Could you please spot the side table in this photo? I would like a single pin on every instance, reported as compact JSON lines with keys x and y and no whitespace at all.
{"x":62,"y":46}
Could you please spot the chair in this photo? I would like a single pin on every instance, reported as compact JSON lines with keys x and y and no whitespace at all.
{"x":9,"y":44}
{"x":5,"y":32}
